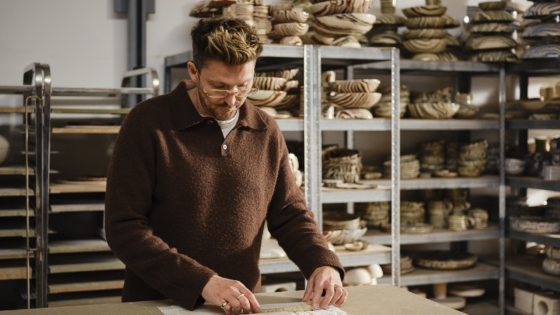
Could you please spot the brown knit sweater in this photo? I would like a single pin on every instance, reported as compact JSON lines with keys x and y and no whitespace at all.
{"x":183,"y":204}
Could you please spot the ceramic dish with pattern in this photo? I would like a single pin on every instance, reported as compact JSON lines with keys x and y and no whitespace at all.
{"x":355,"y":100}
{"x":344,"y":24}
{"x":286,"y":74}
{"x":334,"y":220}
{"x":340,"y":6}
{"x":291,"y":85}
{"x":347,"y":41}
{"x":442,"y":56}
{"x":290,"y":29}
{"x":492,"y":16}
{"x":542,"y":9}
{"x":533,"y":224}
{"x":490,"y":42}
{"x":355,"y":86}
{"x":493,"y":5}
{"x":390,"y":19}
{"x":450,"y":22}
{"x":425,"y":22}
{"x":279,"y":7}
{"x":313,"y":38}
{"x":425,"y":33}
{"x":545,"y":51}
{"x":288,"y":102}
{"x":386,"y":40}
{"x":427,"y":10}
{"x":551,"y":266}
{"x":542,"y":30}
{"x":494,"y":56}
{"x":425,"y":45}
{"x":433,"y":110}
{"x":269,"y":83}
{"x":354,"y":113}
{"x":444,"y":260}
{"x":491,"y":27}
{"x":289,"y":16}
{"x":267,"y":98}
{"x":452,"y":41}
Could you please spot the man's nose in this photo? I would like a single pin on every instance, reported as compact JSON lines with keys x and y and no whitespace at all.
{"x":231,"y":99}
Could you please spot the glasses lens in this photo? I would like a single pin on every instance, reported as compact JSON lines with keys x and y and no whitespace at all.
{"x":251,"y":92}
{"x":217,"y":94}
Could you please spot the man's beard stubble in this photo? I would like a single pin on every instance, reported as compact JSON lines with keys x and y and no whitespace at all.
{"x":211,"y":110}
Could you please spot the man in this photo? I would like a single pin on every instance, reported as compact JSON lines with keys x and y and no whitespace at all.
{"x":194,"y":175}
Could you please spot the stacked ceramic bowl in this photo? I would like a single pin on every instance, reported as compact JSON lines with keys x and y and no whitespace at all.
{"x":342,"y":164}
{"x":426,"y":34}
{"x":458,"y":197}
{"x":452,"y":156}
{"x":434,"y":105}
{"x":479,"y":218}
{"x":375,"y":213}
{"x":472,"y":158}
{"x":384,"y":34}
{"x":551,"y":263}
{"x":262,"y":24}
{"x":412,"y":212}
{"x":546,"y":33}
{"x":514,"y":167}
{"x":384,"y":108}
{"x":406,"y":265}
{"x":410,"y":167}
{"x":342,"y":228}
{"x":288,"y":25}
{"x":354,"y":98}
{"x":340,"y":23}
{"x":466,"y":109}
{"x":277,"y":92}
{"x":492,"y":41}
{"x":432,"y":156}
{"x":439,"y":212}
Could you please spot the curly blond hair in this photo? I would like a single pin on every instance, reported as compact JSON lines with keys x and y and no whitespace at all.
{"x":229,"y":40}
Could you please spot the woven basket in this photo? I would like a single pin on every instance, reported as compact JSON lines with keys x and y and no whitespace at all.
{"x":342,"y":164}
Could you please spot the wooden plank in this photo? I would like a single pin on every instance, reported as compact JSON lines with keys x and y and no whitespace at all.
{"x":14,"y":191}
{"x":75,"y":205}
{"x":82,"y":130}
{"x":56,"y":188}
{"x":86,"y":301}
{"x":10,"y":270}
{"x":13,"y":248}
{"x":78,"y":246}
{"x":67,"y":283}
{"x":19,"y":231}
{"x":89,"y":111}
{"x":15,"y":170}
{"x":82,"y":263}
{"x":30,"y":109}
{"x":15,"y":212}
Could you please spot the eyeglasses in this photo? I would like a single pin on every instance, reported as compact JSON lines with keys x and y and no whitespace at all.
{"x":213,"y":93}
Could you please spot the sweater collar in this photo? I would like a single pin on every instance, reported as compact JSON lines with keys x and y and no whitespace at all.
{"x":185,"y":114}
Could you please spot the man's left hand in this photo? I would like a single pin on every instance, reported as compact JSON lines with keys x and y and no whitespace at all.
{"x":328,"y":279}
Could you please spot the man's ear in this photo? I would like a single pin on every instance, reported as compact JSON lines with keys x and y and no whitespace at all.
{"x":193,"y":72}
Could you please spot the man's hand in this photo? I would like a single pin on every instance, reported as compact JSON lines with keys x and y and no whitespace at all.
{"x":219,"y":290}
{"x":328,"y":279}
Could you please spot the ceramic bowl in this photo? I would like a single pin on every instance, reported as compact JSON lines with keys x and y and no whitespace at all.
{"x":493,"y":56}
{"x":490,"y":42}
{"x":425,"y":33}
{"x":355,"y":100}
{"x":291,"y":85}
{"x":551,"y":266}
{"x":553,"y":252}
{"x":313,"y":38}
{"x":267,"y":98}
{"x":279,"y":7}
{"x":290,"y":29}
{"x":286,"y":74}
{"x":425,"y":22}
{"x":289,"y":16}
{"x":385,"y":40}
{"x":443,"y":56}
{"x":350,"y":236}
{"x":390,"y":20}
{"x":492,"y":16}
{"x":491,"y":27}
{"x":427,"y":10}
{"x":542,"y":30}
{"x":467,"y":111}
{"x":270,"y":83}
{"x":288,"y":102}
{"x":344,"y":24}
{"x":340,"y":6}
{"x":493,"y":5}
{"x":546,"y":51}
{"x":542,"y":9}
{"x":333,"y":220}
{"x":347,"y":41}
{"x":425,"y":45}
{"x":269,"y":110}
{"x":355,"y":86}
{"x":533,"y":224}
{"x":450,"y":22}
{"x":291,"y":41}
{"x":433,"y":110}
{"x":514,"y":167}
{"x":354,"y":113}
{"x":445,"y":260}
{"x":452,"y":41}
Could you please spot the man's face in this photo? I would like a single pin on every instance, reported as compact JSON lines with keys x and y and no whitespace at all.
{"x":220,"y":76}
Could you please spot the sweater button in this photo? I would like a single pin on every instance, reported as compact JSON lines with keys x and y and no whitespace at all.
{"x":225,"y":147}
{"x":210,"y":122}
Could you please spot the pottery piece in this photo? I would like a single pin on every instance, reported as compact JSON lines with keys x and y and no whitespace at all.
{"x":425,"y":45}
{"x":344,"y":164}
{"x":450,"y":22}
{"x":288,"y":102}
{"x":443,"y":56}
{"x":340,"y":220}
{"x":345,"y":236}
{"x":4,"y":149}
{"x":467,"y":111}
{"x":494,"y":56}
{"x":269,"y":110}
{"x":340,"y":6}
{"x":553,"y":252}
{"x":491,"y":27}
{"x":543,"y":30}
{"x":545,"y":51}
{"x":269,"y":83}
{"x":354,"y":113}
{"x":355,"y":100}
{"x":270,"y":249}
{"x":291,"y":40}
{"x":427,"y":10}
{"x":452,"y":41}
{"x":347,"y":41}
{"x":433,"y":2}
{"x":480,"y":217}
{"x":514,"y":167}
{"x":445,"y":174}
{"x":344,"y":24}
{"x":356,"y":246}
{"x":490,"y":42}
{"x":291,"y":85}
{"x":313,"y":38}
{"x":279,"y":7}
{"x":551,"y":266}
{"x":355,"y":86}
{"x":433,"y":110}
{"x":357,"y":276}
{"x":492,"y":16}
{"x":290,"y":29}
{"x":425,"y":33}
{"x":386,"y":40}
{"x":542,"y":9}
{"x":260,"y":12}
{"x":466,"y":290}
{"x":267,"y":98}
{"x":493,"y":5}
{"x":425,"y":22}
{"x":289,"y":16}
{"x":533,"y":224}
{"x":201,"y":10}
{"x":393,"y":20}
{"x":444,"y":260}
{"x":416,"y":228}
{"x":286,"y":74}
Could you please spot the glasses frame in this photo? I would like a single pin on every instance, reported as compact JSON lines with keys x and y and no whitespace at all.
{"x":236,"y":92}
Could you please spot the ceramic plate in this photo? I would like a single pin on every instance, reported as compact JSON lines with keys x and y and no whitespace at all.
{"x":390,"y":19}
{"x":546,"y":51}
{"x":542,"y":9}
{"x":493,"y":5}
{"x":490,"y":42}
{"x":344,"y":24}
{"x":492,"y":16}
{"x":542,"y":30}
{"x":427,"y":10}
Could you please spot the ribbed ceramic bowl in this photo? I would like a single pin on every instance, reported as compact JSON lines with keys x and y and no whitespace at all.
{"x":344,"y":24}
{"x":290,"y":85}
{"x":542,"y":30}
{"x":340,"y":6}
{"x":288,"y":102}
{"x":267,"y":98}
{"x":425,"y":22}
{"x":425,"y":45}
{"x":493,"y":5}
{"x":490,"y":42}
{"x":426,"y":10}
{"x":355,"y":100}
{"x":354,"y":113}
{"x":542,"y":9}
{"x":269,"y":83}
{"x":491,"y":27}
{"x":289,"y":16}
{"x":546,"y":51}
{"x":425,"y":33}
{"x":492,"y":16}
{"x":433,"y":110}
{"x":291,"y":29}
{"x":286,"y":74}
{"x":355,"y":86}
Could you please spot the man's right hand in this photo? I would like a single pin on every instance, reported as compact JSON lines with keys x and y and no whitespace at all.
{"x":219,"y":290}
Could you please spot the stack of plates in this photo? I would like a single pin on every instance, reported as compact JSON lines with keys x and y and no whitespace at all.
{"x":375,"y":213}
{"x":410,"y":167}
{"x":458,"y":222}
{"x":551,"y":173}
{"x":406,"y":265}
{"x":412,"y":212}
{"x":383,"y":108}
{"x":432,"y":156}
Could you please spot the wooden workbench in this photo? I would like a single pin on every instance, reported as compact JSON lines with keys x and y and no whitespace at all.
{"x":364,"y":300}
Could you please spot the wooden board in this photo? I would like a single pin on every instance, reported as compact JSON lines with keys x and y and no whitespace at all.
{"x":13,"y":248}
{"x":14,"y":191}
{"x":56,"y":188}
{"x":15,"y":212}
{"x":82,"y":130}
{"x":87,"y":281}
{"x":78,"y":246}
{"x":89,"y":111}
{"x":30,"y":109}
{"x":15,"y":170}
{"x":78,"y":207}
{"x":341,"y":252}
{"x":84,"y":262}
{"x":116,"y":298}
{"x":15,"y":231}
{"x":11,"y":270}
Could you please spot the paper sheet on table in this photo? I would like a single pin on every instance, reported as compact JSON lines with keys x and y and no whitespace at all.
{"x":204,"y":309}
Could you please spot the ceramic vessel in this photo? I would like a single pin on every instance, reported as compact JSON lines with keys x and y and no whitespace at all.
{"x":201,"y":10}
{"x":493,"y":5}
{"x":288,"y":16}
{"x":344,"y":24}
{"x":545,"y":51}
{"x":347,"y":41}
{"x":452,"y":41}
{"x":443,"y":56}
{"x":450,"y":22}
{"x":4,"y":149}
{"x":291,"y":41}
{"x":355,"y":86}
{"x":553,"y":252}
{"x":532,"y":224}
{"x":340,"y":6}
{"x":542,"y":30}
{"x":269,"y":83}
{"x":267,"y":98}
{"x":355,"y":100}
{"x":286,"y":74}
{"x":425,"y":45}
{"x":390,"y":20}
{"x":490,"y":42}
{"x":493,"y":56}
{"x":492,"y":16}
{"x":269,"y":110}
{"x":279,"y":7}
{"x":425,"y":22}
{"x":551,"y":266}
{"x":425,"y":33}
{"x":340,"y":220}
{"x":514,"y":167}
{"x":290,"y":29}
{"x":354,"y":113}
{"x":433,"y":110}
{"x":444,"y":260}
{"x":427,"y":10}
{"x":491,"y":27}
{"x":288,"y":102}
{"x":542,"y":9}
{"x":291,"y":85}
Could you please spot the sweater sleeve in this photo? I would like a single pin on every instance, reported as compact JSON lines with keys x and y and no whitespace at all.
{"x":293,"y":225}
{"x":130,"y":184}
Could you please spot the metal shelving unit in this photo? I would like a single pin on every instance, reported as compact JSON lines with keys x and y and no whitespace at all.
{"x":436,"y":236}
{"x":442,"y":183}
